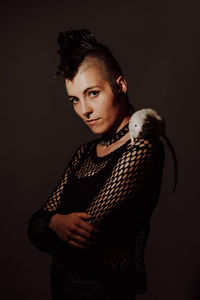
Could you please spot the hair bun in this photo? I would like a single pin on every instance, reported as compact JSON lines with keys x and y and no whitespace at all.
{"x":75,"y":46}
{"x":74,"y":39}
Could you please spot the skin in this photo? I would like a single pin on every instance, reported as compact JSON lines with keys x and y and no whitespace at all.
{"x":74,"y":230}
{"x":97,"y":102}
{"x":92,"y":98}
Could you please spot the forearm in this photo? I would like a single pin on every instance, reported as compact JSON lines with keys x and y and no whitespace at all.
{"x":41,"y":235}
{"x":53,"y":221}
{"x":39,"y":232}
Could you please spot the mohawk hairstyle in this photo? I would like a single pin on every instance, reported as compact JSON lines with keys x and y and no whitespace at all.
{"x":74,"y":47}
{"x":78,"y":45}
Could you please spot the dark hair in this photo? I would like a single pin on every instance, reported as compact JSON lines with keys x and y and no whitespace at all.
{"x":75,"y":46}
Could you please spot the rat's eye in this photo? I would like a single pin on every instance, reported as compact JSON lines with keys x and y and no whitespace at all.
{"x":135,"y":125}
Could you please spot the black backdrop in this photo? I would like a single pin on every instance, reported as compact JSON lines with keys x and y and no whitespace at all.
{"x":157,"y":46}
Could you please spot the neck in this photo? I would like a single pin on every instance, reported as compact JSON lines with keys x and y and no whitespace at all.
{"x":123,"y":123}
{"x":119,"y":128}
{"x":108,"y":140}
{"x":122,"y":120}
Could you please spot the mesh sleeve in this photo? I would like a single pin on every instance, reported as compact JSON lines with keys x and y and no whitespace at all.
{"x":136,"y":172}
{"x":133,"y":171}
{"x":39,"y":232}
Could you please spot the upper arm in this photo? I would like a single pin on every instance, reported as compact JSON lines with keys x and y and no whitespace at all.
{"x":55,"y":198}
{"x":134,"y":171}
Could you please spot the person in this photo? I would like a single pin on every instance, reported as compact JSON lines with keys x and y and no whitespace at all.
{"x":96,"y":222}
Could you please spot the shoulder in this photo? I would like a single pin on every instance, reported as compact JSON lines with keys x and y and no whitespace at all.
{"x":146,"y":148}
{"x":147,"y":143}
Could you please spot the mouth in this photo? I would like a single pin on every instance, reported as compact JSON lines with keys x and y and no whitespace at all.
{"x":93,"y":121}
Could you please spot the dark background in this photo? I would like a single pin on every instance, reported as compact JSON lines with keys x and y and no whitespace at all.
{"x":157,"y":46}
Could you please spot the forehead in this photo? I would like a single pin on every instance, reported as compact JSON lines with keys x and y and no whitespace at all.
{"x":85,"y":77}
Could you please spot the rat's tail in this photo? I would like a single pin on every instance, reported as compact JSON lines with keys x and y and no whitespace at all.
{"x":174,"y":158}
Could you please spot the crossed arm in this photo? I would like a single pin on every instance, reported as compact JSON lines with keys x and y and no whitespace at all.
{"x":132,"y":172}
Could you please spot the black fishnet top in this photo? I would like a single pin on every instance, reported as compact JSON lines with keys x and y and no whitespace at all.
{"x":120,"y":190}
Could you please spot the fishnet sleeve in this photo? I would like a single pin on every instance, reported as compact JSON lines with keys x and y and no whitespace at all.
{"x":39,"y":232}
{"x":133,"y":171}
{"x":137,"y":173}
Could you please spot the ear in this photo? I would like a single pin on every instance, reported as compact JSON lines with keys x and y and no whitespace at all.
{"x":121,"y":82}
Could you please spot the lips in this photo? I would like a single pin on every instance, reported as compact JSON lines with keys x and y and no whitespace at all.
{"x":92,"y":120}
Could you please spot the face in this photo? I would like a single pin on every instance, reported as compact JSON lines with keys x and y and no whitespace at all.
{"x":93,"y":99}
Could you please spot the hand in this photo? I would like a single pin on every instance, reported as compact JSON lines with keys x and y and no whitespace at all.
{"x":74,"y":230}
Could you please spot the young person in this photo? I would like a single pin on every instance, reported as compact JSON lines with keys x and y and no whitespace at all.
{"x":96,"y":222}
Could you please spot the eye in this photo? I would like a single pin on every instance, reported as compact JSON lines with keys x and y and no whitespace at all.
{"x":95,"y":93}
{"x":73,"y":100}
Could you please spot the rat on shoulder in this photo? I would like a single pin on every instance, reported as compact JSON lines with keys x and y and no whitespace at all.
{"x":148,"y":123}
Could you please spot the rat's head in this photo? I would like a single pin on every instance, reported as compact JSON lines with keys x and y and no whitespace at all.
{"x":137,"y":122}
{"x":146,"y":123}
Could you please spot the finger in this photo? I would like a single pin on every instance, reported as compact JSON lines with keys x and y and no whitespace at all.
{"x":75,"y":244}
{"x":81,"y":241}
{"x":83,"y":215}
{"x":85,"y":234}
{"x":89,"y":228}
{"x":81,"y":232}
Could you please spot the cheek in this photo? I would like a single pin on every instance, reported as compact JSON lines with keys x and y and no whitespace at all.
{"x":76,"y":109}
{"x":106,"y":102}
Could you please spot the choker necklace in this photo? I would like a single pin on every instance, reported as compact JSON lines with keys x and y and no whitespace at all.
{"x":107,"y":140}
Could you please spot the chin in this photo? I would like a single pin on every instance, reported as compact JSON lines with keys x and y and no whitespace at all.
{"x":99,"y":128}
{"x":96,"y":131}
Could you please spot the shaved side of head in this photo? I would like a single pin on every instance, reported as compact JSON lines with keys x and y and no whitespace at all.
{"x":98,"y":63}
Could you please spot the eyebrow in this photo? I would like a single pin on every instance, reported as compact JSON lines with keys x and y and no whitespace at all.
{"x":84,"y":92}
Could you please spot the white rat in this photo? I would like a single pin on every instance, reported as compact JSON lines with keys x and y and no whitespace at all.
{"x":148,"y":123}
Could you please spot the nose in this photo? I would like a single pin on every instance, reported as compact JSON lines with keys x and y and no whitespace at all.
{"x":86,"y":109}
